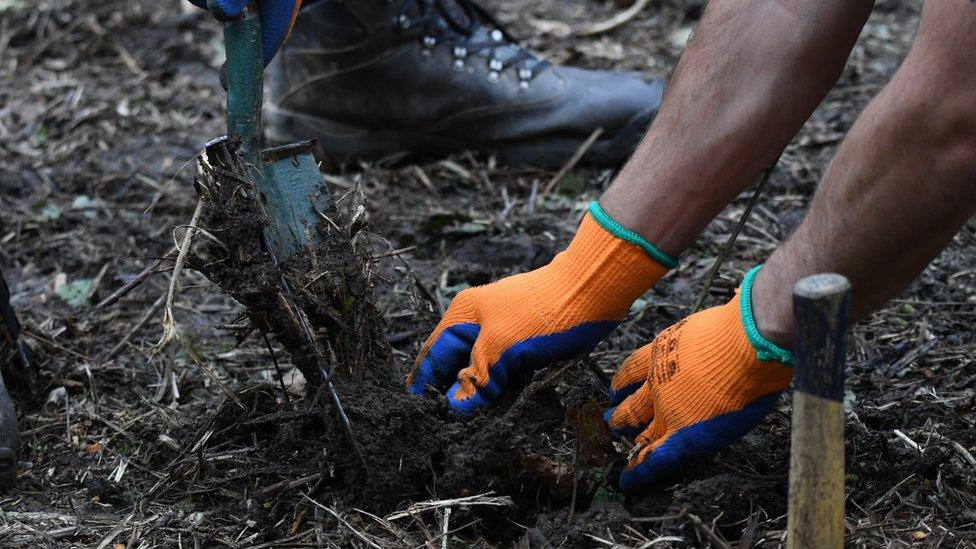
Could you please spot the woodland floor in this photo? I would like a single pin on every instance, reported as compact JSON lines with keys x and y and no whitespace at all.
{"x":103,"y":107}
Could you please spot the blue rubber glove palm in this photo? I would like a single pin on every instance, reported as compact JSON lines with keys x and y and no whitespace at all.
{"x":277,"y":19}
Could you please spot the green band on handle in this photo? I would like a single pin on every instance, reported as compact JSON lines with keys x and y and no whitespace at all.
{"x":765,"y":349}
{"x":618,"y":230}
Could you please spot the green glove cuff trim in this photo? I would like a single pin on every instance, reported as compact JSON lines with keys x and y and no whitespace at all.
{"x":618,"y":230}
{"x":765,"y":349}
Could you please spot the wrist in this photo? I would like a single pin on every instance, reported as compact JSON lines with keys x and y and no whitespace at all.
{"x":625,"y":234}
{"x":766,"y":338}
{"x":607,"y":266}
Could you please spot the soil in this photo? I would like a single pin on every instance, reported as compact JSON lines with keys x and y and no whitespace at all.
{"x":103,"y":109}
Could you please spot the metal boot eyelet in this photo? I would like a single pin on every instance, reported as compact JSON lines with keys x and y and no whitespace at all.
{"x":497,"y":35}
{"x":460,"y":52}
{"x":523,"y":86}
{"x":495,"y":64}
{"x":493,"y":77}
{"x":427,"y":47}
{"x":402,"y":21}
{"x":525,"y":74}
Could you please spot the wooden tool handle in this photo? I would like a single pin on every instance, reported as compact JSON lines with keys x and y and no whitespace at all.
{"x":816,"y":513}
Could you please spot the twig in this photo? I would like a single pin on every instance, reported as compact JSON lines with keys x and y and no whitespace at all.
{"x":709,"y":533}
{"x":886,"y":495}
{"x":169,"y":324}
{"x":150,"y":313}
{"x":274,"y":359}
{"x":599,"y":373}
{"x":135,"y":282}
{"x":444,"y":527}
{"x":113,"y":533}
{"x":910,"y":356}
{"x":727,"y":247}
{"x":170,"y":330}
{"x":908,"y":441}
{"x":281,"y":542}
{"x":573,"y":160}
{"x":469,"y":501}
{"x":55,"y":345}
{"x":286,"y":485}
{"x":343,"y":522}
{"x":393,"y":253}
{"x":965,"y":454}
{"x":615,"y":21}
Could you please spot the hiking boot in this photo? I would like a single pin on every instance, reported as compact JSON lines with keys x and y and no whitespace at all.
{"x":9,"y":431}
{"x":9,"y":437}
{"x":374,"y":78}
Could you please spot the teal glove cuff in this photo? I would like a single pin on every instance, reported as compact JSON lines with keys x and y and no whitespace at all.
{"x":765,"y":349}
{"x":618,"y":230}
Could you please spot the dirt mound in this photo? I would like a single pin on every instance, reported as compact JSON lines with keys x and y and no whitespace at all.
{"x":411,"y":447}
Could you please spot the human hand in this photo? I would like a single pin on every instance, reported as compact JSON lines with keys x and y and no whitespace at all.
{"x":277,"y":19}
{"x":527,"y":321}
{"x":699,"y":386}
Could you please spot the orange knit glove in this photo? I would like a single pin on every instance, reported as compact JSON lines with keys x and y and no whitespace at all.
{"x":699,"y":386}
{"x":534,"y":319}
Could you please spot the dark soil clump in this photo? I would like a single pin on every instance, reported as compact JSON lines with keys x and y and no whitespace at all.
{"x":412,"y":446}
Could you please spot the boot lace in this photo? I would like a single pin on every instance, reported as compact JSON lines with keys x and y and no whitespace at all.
{"x":437,"y":22}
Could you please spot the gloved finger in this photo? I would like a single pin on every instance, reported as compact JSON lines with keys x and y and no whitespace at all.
{"x":480,"y":383}
{"x":449,"y":352}
{"x":228,"y":8}
{"x":631,"y":375}
{"x":448,"y":348}
{"x":277,"y":19}
{"x":492,"y":364}
{"x":662,"y":454}
{"x":632,"y":416}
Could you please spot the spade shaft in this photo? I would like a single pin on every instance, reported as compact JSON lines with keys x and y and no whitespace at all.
{"x":816,"y":499}
{"x":245,"y":84}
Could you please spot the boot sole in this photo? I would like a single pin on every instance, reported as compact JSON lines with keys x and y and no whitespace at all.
{"x":341,"y":143}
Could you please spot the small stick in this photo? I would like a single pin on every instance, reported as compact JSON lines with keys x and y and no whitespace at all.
{"x":816,"y":500}
{"x":445,"y":527}
{"x":727,"y":247}
{"x":615,"y":21}
{"x":573,"y":160}
{"x":132,"y":284}
{"x":597,"y":371}
{"x":146,"y":317}
{"x":274,"y":359}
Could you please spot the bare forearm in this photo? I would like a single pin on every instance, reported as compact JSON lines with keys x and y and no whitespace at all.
{"x":900,"y":186}
{"x":748,"y":80}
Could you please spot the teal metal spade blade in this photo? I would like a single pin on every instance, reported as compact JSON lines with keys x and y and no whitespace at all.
{"x":287,"y":178}
{"x":295,"y":196}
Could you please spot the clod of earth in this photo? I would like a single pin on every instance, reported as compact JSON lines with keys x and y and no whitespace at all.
{"x":410,"y":444}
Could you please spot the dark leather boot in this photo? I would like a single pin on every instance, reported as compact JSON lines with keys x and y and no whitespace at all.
{"x":9,"y":437}
{"x":373,"y":78}
{"x":9,"y":345}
